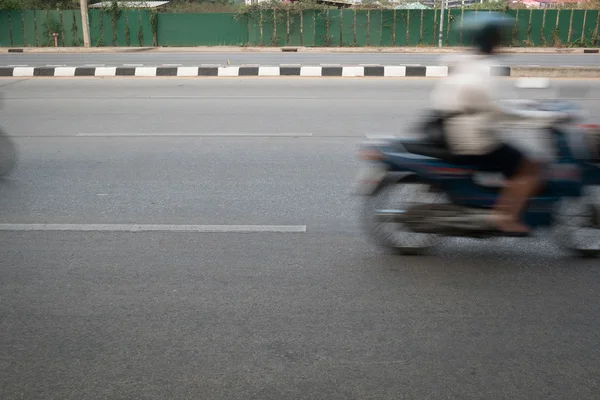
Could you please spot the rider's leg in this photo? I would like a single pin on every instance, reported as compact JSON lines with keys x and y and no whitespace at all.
{"x":523,"y":180}
{"x":513,"y":199}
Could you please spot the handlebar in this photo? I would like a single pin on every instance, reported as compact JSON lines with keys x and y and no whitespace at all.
{"x":551,"y":110}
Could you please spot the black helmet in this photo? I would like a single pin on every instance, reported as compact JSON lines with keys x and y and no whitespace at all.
{"x":487,"y":30}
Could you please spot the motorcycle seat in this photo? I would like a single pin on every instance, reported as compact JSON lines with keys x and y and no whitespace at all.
{"x":437,"y":150}
{"x":429,"y":149}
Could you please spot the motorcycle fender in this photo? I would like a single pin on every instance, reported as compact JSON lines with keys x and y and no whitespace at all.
{"x":391,"y":178}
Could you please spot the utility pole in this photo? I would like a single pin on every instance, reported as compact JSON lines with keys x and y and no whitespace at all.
{"x":441,"y":36}
{"x":83,"y":4}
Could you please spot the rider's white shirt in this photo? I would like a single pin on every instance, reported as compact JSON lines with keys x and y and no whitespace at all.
{"x":470,"y":87}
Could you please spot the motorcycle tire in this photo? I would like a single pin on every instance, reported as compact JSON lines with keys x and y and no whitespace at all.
{"x":385,"y":234}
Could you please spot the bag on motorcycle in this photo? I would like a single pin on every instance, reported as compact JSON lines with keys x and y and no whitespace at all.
{"x":432,"y":127}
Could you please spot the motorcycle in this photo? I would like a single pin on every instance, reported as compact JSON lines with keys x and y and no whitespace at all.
{"x":442,"y":198}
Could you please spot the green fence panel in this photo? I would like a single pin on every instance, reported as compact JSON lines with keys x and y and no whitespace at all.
{"x":147,"y":29}
{"x":431,"y":36}
{"x":322,"y":38}
{"x":127,"y":28}
{"x":401,"y":28}
{"x":17,"y":27}
{"x":28,"y":19}
{"x":281,"y":20}
{"x":414,"y":27}
{"x":117,"y":32}
{"x":563,"y":21}
{"x":66,"y":27}
{"x":375,"y":27}
{"x":534,"y":36}
{"x":453,"y":23}
{"x":48,"y":22}
{"x":267,"y":28}
{"x":273,"y":29}
{"x":549,"y":28}
{"x":207,"y":29}
{"x":576,"y":27}
{"x":429,"y":20}
{"x":97,"y":37}
{"x":453,"y":37}
{"x":281,"y":31}
{"x":252,"y":23}
{"x":334,"y":27}
{"x":348,"y":38}
{"x":525,"y":35}
{"x":295,"y":30}
{"x":519,"y":33}
{"x":362,"y":28}
{"x":387,"y":28}
{"x":4,"y":30}
{"x":590,"y":28}
{"x":308,"y":28}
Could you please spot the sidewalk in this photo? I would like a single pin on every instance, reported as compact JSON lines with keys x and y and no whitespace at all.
{"x":231,"y":49}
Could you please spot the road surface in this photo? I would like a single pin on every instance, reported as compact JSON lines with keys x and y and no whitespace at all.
{"x":192,"y":59}
{"x":315,"y":313}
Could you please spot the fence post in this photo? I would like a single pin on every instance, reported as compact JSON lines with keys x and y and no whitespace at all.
{"x":85,"y":22}
{"x":441,"y":34}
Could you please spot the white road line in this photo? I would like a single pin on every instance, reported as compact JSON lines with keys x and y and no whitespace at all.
{"x":95,"y":65}
{"x":171,"y":65}
{"x":17,"y":65}
{"x":133,"y":65}
{"x":153,"y":228}
{"x":56,"y":65}
{"x":208,"y":134}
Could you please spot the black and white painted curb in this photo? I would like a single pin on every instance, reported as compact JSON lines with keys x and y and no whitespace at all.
{"x":241,"y":71}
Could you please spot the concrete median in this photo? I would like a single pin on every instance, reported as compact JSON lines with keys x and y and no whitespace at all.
{"x":555,"y":72}
{"x":348,"y":71}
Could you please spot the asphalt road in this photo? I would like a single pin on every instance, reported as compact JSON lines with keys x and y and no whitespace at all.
{"x":192,"y":59}
{"x":319,"y":314}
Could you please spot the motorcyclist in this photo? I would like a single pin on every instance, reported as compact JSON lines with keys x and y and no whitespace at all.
{"x":469,"y":95}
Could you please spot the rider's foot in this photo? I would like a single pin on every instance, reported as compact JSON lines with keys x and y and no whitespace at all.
{"x":507,"y":225}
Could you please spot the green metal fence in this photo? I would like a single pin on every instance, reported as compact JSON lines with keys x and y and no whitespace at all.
{"x":323,"y":28}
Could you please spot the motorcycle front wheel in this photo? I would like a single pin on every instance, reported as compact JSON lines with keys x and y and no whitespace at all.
{"x":577,"y":226}
{"x":397,"y":197}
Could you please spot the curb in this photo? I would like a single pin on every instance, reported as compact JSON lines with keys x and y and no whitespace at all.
{"x":392,"y":71}
{"x":241,"y":71}
{"x":74,"y":50}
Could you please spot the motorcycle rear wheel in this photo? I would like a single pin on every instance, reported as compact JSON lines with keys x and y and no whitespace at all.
{"x":394,"y":236}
